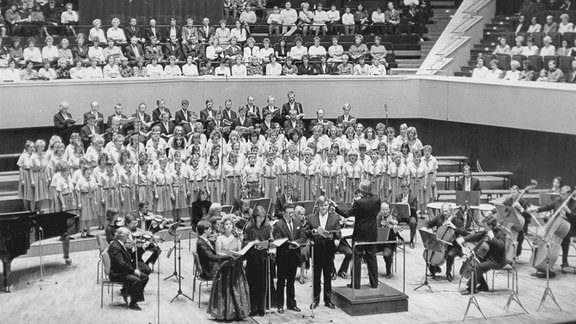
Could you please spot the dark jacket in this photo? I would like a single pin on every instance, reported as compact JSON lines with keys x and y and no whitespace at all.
{"x":321,"y":243}
{"x":208,"y":259}
{"x":121,"y":263}
{"x":365,"y":210}
{"x":286,"y":254}
{"x":474,"y":184}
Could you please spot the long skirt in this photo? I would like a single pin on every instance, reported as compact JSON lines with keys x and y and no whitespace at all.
{"x":215,"y":190}
{"x":352,"y":184}
{"x":395,"y":183}
{"x":231,"y":187}
{"x":164,"y":202}
{"x":194,"y":188}
{"x":329,"y":184}
{"x":25,"y":190}
{"x":145,"y":194}
{"x":111,"y":199}
{"x":269,"y":185}
{"x":383,"y":181}
{"x":129,"y":203}
{"x":87,"y":212}
{"x":42,"y":186}
{"x":229,"y":298}
{"x":431,"y":190}
{"x":180,"y":197}
{"x":307,"y":187}
{"x":69,"y":201}
{"x":417,"y":186}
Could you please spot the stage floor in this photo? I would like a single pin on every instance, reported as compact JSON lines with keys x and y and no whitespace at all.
{"x":76,"y":296}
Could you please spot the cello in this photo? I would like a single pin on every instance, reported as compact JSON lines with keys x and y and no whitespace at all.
{"x":547,"y":247}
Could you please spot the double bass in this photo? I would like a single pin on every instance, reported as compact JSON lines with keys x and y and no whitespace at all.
{"x":547,"y":246}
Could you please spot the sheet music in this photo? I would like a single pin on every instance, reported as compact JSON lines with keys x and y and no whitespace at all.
{"x":279,"y":242}
{"x":244,"y":249}
{"x":347,"y":232}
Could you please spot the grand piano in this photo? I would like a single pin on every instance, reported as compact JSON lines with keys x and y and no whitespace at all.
{"x":19,"y":230}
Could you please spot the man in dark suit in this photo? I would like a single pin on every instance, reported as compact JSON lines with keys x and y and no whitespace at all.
{"x":287,"y":258}
{"x":142,"y":116}
{"x":406,"y":197}
{"x":132,"y":29}
{"x":346,"y":117}
{"x":242,"y":120}
{"x":292,"y":104}
{"x":323,"y":67}
{"x":131,"y":223}
{"x":185,"y":117}
{"x":365,"y":210}
{"x":173,"y":48}
{"x":323,"y":227}
{"x":207,"y":114}
{"x":63,"y":121}
{"x":205,"y":32}
{"x":166,"y":126}
{"x":161,"y":107}
{"x":207,"y":256}
{"x":287,"y":197}
{"x":468,"y":182}
{"x":122,"y":268}
{"x":319,"y":120}
{"x":88,"y":131}
{"x":228,"y":115}
{"x":153,"y":31}
{"x":98,"y":116}
{"x":293,"y":122}
{"x":133,"y":51}
{"x":252,"y":111}
{"x":118,"y":115}
{"x":173,"y":30}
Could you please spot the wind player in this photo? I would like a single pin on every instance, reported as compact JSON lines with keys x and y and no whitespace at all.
{"x":449,"y":218}
{"x":287,"y":257}
{"x":565,"y":193}
{"x":323,"y":250}
{"x":495,"y":237}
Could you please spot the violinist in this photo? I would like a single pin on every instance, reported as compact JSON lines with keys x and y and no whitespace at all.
{"x":386,"y":219}
{"x":406,"y":197}
{"x":565,"y":193}
{"x":494,"y":239}
{"x":207,"y":256}
{"x":144,"y":266}
{"x":521,"y":205}
{"x":456,"y":222}
{"x":111,"y":218}
{"x":200,"y":207}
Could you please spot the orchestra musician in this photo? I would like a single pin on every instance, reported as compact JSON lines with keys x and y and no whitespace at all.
{"x":287,"y":257}
{"x":209,"y":260}
{"x":386,"y":219}
{"x":521,"y":205}
{"x":323,"y":249}
{"x":495,"y":258}
{"x":565,"y":193}
{"x":123,"y":269}
{"x":111,"y":218}
{"x":365,"y":209}
{"x":468,"y":182}
{"x":145,"y":266}
{"x":448,"y":218}
{"x":406,"y":197}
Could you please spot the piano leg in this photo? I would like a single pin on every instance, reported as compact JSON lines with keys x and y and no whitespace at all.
{"x":6,"y":263}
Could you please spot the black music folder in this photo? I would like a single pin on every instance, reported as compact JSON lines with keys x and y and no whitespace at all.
{"x":467,"y":198}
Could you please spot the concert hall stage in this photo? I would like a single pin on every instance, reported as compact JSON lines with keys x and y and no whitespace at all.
{"x":368,"y":301}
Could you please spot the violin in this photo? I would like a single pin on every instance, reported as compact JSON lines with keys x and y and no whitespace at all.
{"x":548,"y":246}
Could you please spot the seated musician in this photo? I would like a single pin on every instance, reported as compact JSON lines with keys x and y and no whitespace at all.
{"x":244,"y":195}
{"x":152,"y":223}
{"x":123,"y":269}
{"x":386,"y":219}
{"x":287,"y":197}
{"x":494,"y":258}
{"x":207,"y":256}
{"x":565,"y":193}
{"x":113,"y":224}
{"x":521,"y":205}
{"x":406,"y":197}
{"x":456,"y":222}
{"x":145,"y":266}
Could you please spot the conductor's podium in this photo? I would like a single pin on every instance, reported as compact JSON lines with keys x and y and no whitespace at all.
{"x":368,"y":301}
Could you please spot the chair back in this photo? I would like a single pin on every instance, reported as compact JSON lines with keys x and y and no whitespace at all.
{"x":105,"y":261}
{"x":197,"y":265}
{"x":102,"y":244}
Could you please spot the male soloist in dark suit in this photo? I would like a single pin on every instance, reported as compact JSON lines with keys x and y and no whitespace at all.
{"x":323,"y":251}
{"x":161,"y":107}
{"x":287,"y":258}
{"x":63,"y":121}
{"x":123,"y":269}
{"x":88,"y":131}
{"x":291,"y":104}
{"x":183,"y":117}
{"x":365,"y":210}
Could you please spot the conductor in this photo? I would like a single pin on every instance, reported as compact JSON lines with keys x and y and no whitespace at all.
{"x":365,"y":210}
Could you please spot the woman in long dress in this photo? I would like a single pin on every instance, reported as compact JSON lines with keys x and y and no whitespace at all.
{"x":397,"y":172}
{"x":85,"y":191}
{"x":418,"y":174}
{"x":432,"y":165}
{"x":41,"y":177}
{"x":27,"y":184}
{"x":258,"y":231}
{"x":214,"y":179}
{"x":229,"y":299}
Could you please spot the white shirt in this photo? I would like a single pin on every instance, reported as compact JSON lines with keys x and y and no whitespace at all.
{"x":288,"y":17}
{"x":467,"y":184}
{"x":323,"y":220}
{"x":239,"y":70}
{"x":189,"y":70}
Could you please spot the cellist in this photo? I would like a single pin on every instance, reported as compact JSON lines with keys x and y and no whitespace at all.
{"x":521,"y":205}
{"x":565,"y":193}
{"x":456,"y":222}
{"x":494,"y":258}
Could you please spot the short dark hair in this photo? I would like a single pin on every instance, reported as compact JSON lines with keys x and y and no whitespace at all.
{"x":202,"y":226}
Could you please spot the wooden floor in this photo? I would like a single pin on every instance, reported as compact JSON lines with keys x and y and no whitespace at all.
{"x":76,"y":296}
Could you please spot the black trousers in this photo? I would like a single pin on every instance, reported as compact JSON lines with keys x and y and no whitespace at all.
{"x":286,"y":275}
{"x":345,"y":249}
{"x":481,"y":269}
{"x":368,"y":252}
{"x":134,"y":285}
{"x":322,"y":267}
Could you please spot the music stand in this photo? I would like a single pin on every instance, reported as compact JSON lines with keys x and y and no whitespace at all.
{"x":173,"y":233}
{"x":264,"y":202}
{"x":467,"y":198}
{"x":548,"y":291}
{"x":546,"y":198}
{"x":42,"y":265}
{"x":227,"y":209}
{"x":429,"y":240}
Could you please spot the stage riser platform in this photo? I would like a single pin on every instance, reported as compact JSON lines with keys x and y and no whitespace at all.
{"x":368,"y":301}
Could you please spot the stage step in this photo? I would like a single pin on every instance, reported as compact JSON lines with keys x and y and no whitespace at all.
{"x":9,"y":181}
{"x":10,"y":203}
{"x":8,"y":161}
